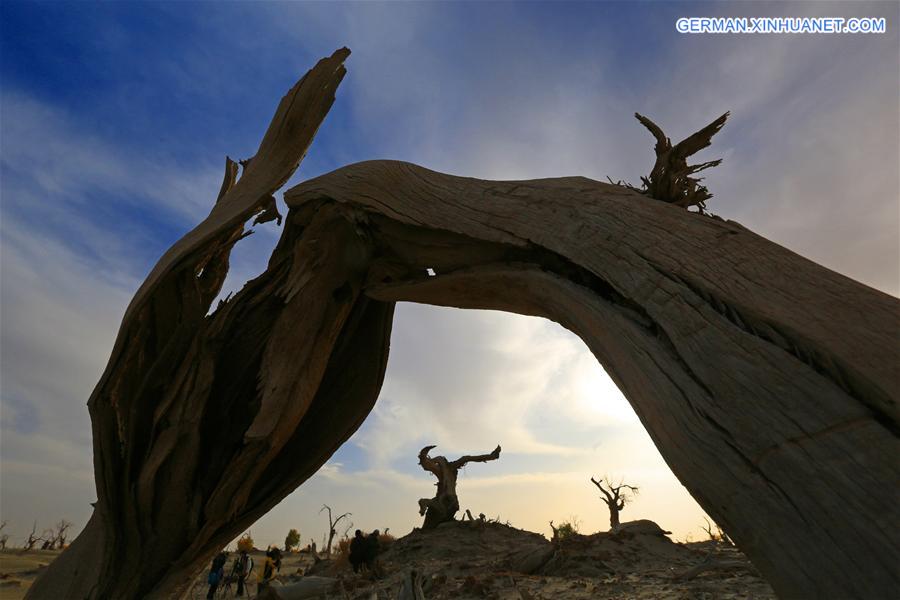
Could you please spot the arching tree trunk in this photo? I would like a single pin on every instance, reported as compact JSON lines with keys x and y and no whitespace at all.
{"x":769,"y":383}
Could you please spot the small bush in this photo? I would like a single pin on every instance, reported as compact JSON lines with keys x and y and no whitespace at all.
{"x":341,"y":555}
{"x":245,"y":544}
{"x":291,"y":540}
{"x":385,"y":540}
{"x":567,"y":528}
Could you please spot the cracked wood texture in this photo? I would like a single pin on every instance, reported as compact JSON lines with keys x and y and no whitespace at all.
{"x":196,"y":430}
{"x":768,"y":383}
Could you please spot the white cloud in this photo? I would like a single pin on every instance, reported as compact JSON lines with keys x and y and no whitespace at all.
{"x":811,"y":155}
{"x":67,"y":162}
{"x":66,"y":276}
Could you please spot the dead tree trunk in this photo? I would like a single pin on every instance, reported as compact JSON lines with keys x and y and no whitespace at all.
{"x":32,"y":539}
{"x":769,"y":383}
{"x":332,"y":523}
{"x":201,"y":423}
{"x":445,"y":504}
{"x":61,"y":532}
{"x":615,"y":497}
{"x":671,"y":179}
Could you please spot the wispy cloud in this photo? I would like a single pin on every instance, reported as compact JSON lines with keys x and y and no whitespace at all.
{"x":82,"y":219}
{"x":68,"y":163}
{"x":496,"y":91}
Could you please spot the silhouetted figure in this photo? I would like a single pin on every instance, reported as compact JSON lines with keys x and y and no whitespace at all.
{"x":240,"y":570}
{"x":267,"y":573}
{"x":444,"y":505}
{"x":216,"y":573}
{"x":358,"y":551}
{"x":371,"y":550}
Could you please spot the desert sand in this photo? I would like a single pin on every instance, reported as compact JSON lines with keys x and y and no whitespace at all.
{"x":472,"y":560}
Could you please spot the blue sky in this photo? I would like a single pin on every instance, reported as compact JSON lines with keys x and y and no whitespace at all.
{"x":115,"y":119}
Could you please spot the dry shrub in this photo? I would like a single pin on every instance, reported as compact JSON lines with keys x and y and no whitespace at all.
{"x":245,"y":544}
{"x":385,"y":540}
{"x":342,"y":555}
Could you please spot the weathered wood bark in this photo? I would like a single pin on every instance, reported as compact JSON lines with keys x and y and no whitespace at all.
{"x":197,"y":418}
{"x":615,"y":497}
{"x":769,"y":383}
{"x":445,"y":504}
{"x":672,"y":179}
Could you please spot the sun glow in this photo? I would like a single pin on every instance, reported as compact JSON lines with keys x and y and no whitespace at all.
{"x":598,"y":397}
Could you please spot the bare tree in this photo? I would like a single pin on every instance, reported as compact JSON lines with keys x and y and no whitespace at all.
{"x":3,"y":536}
{"x":32,"y":539}
{"x":615,"y":497}
{"x":62,"y":529}
{"x":348,"y":527}
{"x":49,"y":540}
{"x":445,"y":503}
{"x":718,"y":535}
{"x":332,"y":523}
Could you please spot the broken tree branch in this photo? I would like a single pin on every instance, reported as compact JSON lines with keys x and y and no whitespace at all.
{"x":670,"y":179}
{"x":168,"y":495}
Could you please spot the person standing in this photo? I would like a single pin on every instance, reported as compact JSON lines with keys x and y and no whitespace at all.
{"x":266,"y":573}
{"x":371,"y":552}
{"x":240,"y":571}
{"x":216,"y":573}
{"x":357,"y":551}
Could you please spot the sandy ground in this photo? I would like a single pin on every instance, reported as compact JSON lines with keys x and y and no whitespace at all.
{"x":18,"y":570}
{"x":468,"y":561}
{"x":471,"y":561}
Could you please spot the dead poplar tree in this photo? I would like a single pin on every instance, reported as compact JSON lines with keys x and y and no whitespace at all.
{"x":194,"y":439}
{"x":332,"y":524}
{"x":32,"y":539}
{"x":671,"y":179}
{"x":445,"y":503}
{"x":615,"y":496}
{"x":755,"y":371}
{"x":61,"y":533}
{"x":719,"y":536}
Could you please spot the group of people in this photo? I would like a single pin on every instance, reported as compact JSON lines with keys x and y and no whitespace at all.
{"x":240,"y":571}
{"x":364,"y":551}
{"x":363,"y":554}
